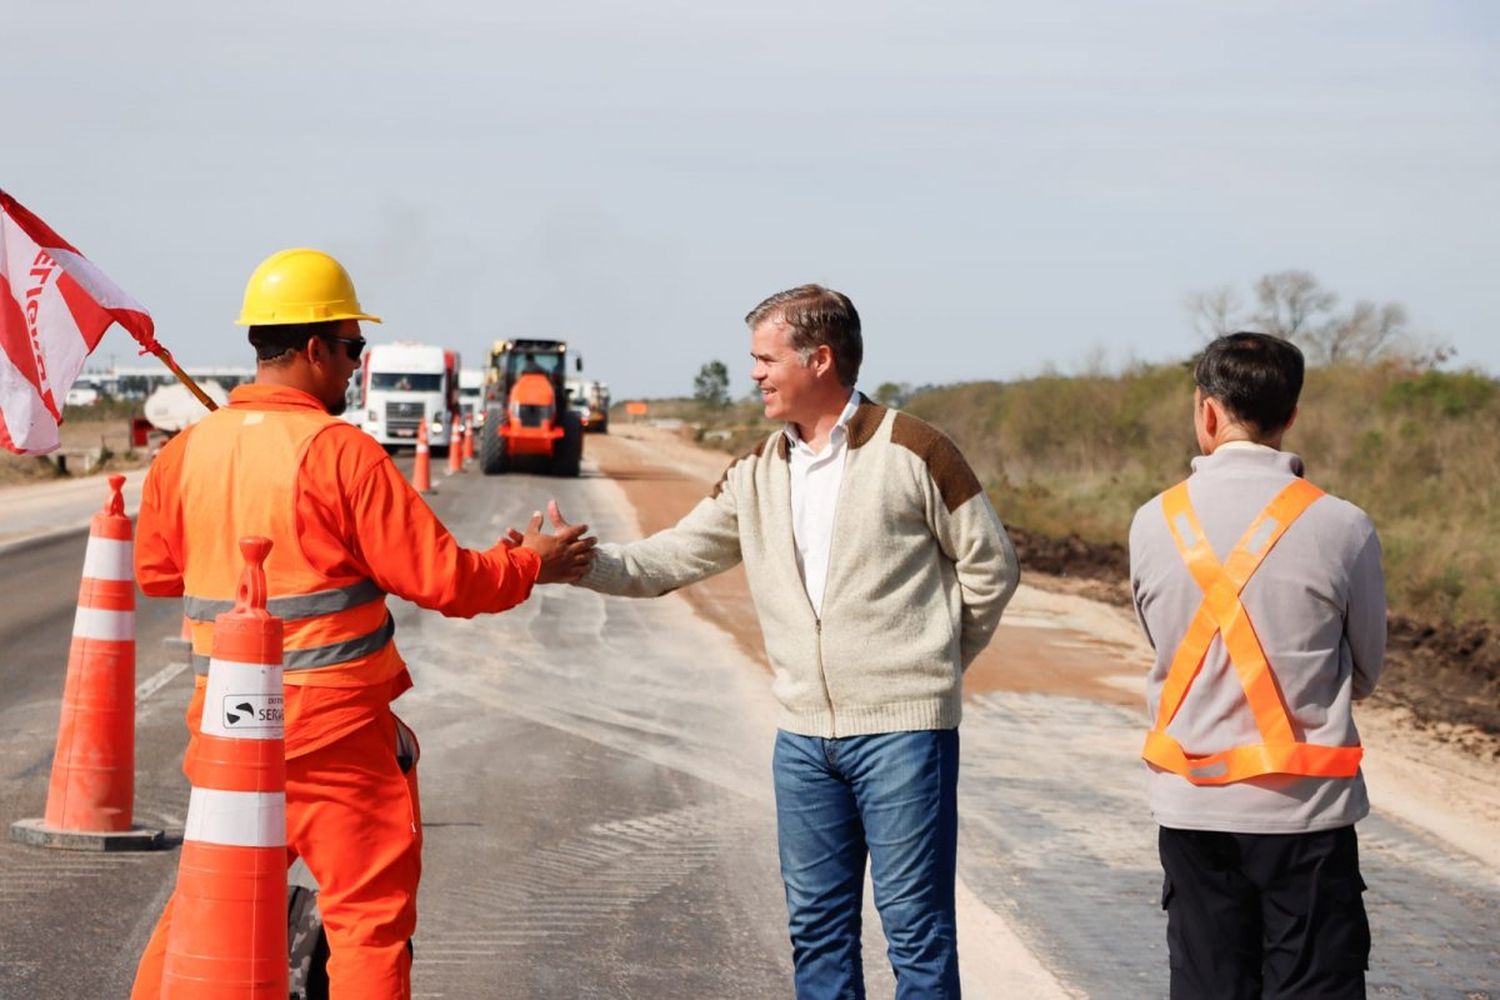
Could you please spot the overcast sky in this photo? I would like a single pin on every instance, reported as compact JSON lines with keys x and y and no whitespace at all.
{"x":998,"y":186}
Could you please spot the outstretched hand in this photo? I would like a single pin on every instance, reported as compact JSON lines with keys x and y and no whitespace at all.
{"x":565,"y":555}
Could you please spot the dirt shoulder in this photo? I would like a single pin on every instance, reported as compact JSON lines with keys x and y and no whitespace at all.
{"x":83,"y":442}
{"x":1441,"y":679}
{"x":1072,"y":634}
{"x":1080,"y":646}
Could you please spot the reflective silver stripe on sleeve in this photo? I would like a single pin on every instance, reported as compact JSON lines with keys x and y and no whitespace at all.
{"x":294,"y":608}
{"x":330,"y":655}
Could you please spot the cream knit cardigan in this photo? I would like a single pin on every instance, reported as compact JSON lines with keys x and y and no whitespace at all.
{"x":919,"y":571}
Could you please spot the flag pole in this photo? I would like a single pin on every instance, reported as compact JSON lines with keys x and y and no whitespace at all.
{"x":165,"y":357}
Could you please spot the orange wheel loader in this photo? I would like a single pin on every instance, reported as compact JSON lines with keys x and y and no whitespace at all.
{"x":528,"y":425}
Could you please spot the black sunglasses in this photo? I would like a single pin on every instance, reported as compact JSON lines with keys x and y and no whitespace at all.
{"x":354,"y":346}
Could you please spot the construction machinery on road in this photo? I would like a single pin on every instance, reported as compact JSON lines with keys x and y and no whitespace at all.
{"x":591,"y":400}
{"x":471,"y":396}
{"x":527,"y":420}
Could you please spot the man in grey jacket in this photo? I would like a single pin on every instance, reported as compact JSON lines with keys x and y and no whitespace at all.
{"x":1265,"y":602}
{"x":879,"y":570}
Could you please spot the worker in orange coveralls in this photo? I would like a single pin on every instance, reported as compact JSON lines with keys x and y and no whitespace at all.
{"x":346,"y":529}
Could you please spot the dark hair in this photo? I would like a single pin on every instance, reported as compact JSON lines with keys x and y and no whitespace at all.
{"x":815,"y":316}
{"x":1256,"y":376}
{"x":272,"y":342}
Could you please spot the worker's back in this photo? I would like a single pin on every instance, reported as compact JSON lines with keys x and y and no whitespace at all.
{"x":1317,"y":607}
{"x":240,"y":472}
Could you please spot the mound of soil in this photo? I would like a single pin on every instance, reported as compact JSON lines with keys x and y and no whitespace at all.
{"x":1089,"y":569}
{"x":1070,"y":556}
{"x":1446,"y":675}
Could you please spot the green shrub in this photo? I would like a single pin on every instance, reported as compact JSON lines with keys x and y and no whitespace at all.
{"x":1447,"y":394}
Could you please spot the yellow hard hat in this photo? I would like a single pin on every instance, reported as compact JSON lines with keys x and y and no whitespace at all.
{"x":299,"y":286}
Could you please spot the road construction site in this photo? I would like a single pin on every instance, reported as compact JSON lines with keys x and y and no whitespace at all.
{"x":596,"y":787}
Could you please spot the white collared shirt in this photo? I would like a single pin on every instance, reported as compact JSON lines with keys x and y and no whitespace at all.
{"x":816,"y":478}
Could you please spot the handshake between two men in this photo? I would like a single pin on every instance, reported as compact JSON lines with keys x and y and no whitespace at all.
{"x":879,"y":604}
{"x":566,"y":555}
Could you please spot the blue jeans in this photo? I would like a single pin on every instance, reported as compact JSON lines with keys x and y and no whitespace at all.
{"x":893,"y":797}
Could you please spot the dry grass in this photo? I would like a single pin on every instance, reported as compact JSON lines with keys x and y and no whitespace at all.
{"x":1417,"y":451}
{"x":79,"y":434}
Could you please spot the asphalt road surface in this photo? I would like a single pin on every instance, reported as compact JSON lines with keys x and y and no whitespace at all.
{"x":597,"y":807}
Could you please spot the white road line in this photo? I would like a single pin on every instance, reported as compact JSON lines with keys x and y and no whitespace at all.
{"x":159,"y":680}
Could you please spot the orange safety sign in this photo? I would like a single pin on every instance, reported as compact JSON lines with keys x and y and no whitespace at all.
{"x":1222,"y":614}
{"x":636,"y":408}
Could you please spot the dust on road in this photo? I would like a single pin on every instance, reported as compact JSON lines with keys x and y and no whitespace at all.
{"x":1061,"y":845}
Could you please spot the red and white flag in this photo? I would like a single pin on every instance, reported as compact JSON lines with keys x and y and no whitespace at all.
{"x":54,"y":308}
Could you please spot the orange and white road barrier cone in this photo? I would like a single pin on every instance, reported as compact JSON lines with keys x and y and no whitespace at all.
{"x":421,"y":466}
{"x":92,"y":791}
{"x":228,"y":931}
{"x":468,"y":443}
{"x":456,"y":446}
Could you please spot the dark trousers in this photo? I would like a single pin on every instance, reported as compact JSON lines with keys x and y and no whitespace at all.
{"x":1258,"y":915}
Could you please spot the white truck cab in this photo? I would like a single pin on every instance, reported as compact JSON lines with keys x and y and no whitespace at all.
{"x":471,"y":396}
{"x":405,"y":384}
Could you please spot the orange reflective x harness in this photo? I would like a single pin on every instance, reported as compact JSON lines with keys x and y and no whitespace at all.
{"x":1222,"y":614}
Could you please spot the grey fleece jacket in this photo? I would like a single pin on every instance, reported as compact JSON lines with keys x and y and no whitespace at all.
{"x":1317,"y":603}
{"x":919,"y":572}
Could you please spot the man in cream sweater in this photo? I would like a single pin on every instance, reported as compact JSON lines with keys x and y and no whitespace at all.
{"x":1264,"y":599}
{"x":878,"y":570}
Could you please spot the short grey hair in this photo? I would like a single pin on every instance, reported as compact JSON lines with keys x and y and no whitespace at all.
{"x":815,"y":316}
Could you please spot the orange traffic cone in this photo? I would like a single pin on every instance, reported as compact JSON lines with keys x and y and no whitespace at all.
{"x":468,"y":443}
{"x":421,"y":466}
{"x":228,"y":931}
{"x":456,"y":447}
{"x":91,"y":794}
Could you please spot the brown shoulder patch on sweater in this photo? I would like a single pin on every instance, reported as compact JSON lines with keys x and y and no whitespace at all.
{"x":756,"y":452}
{"x":955,"y":481}
{"x":865,"y":422}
